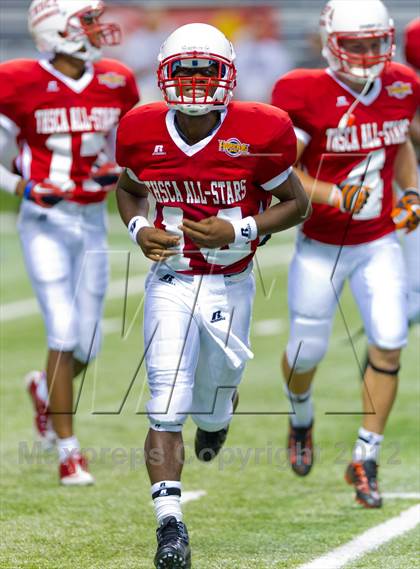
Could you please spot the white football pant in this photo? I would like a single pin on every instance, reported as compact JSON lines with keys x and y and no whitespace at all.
{"x":411,"y":247}
{"x":378,"y":280}
{"x":196,"y":339}
{"x":65,"y":252}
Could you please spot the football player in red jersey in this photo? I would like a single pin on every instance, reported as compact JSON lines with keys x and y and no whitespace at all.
{"x":212,"y":167}
{"x":351,"y":121}
{"x":63,"y":111}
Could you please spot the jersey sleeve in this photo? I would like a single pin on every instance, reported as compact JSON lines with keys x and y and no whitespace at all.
{"x":417,"y":90}
{"x":132,"y":95}
{"x":10,"y":118}
{"x":289,"y":94}
{"x":278,"y":157}
{"x":125,"y":148}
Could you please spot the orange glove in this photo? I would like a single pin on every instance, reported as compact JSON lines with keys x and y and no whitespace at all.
{"x":406,"y":214}
{"x":348,"y":197}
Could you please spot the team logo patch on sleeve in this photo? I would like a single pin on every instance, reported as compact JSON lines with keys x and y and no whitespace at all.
{"x":233,"y":147}
{"x":399,"y":89}
{"x":112,"y":80}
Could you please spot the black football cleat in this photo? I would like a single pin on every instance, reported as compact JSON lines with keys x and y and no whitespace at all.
{"x":300,"y":449}
{"x":173,"y":550}
{"x":208,"y":444}
{"x":363,"y":476}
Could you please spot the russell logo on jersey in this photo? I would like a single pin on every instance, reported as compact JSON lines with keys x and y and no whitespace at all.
{"x":342,"y":101}
{"x":159,"y":150}
{"x":52,"y":87}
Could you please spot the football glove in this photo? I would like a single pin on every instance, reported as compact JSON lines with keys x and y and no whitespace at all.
{"x":107,"y":174}
{"x":406,"y":214}
{"x":348,"y":197}
{"x":44,"y":193}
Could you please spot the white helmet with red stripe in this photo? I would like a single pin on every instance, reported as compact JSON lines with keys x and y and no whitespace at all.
{"x":343,"y":20}
{"x":197,"y":47}
{"x":71,"y":27}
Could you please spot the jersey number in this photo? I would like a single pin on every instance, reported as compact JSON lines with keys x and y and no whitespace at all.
{"x":368,"y":173}
{"x":172,"y":218}
{"x":62,"y":156}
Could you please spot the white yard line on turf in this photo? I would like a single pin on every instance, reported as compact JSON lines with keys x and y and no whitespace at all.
{"x":367,"y":541}
{"x":192,"y":495}
{"x":29,"y":306}
{"x":269,"y":327}
{"x":401,"y":495}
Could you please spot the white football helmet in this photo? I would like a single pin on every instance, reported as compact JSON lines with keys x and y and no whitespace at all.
{"x":71,"y":27}
{"x":353,"y":20}
{"x":201,"y":47}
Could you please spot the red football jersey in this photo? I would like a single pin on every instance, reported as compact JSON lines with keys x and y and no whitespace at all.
{"x":362,"y":153}
{"x":228,"y":174}
{"x":61,"y":123}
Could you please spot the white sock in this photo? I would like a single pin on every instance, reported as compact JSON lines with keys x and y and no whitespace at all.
{"x":368,"y":446}
{"x":301,"y":406}
{"x":66,"y":447}
{"x":42,"y":387}
{"x":167,"y":499}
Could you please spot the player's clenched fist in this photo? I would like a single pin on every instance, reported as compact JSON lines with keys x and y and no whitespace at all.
{"x":44,"y":193}
{"x":349,"y":197}
{"x":406,"y":214}
{"x":157,"y":244}
{"x":211,"y":232}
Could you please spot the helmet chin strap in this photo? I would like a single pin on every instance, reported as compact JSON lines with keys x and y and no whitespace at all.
{"x":196,"y":112}
{"x":346,"y":119}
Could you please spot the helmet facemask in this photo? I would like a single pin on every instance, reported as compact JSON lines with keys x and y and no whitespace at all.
{"x":85,"y":29}
{"x":355,"y":63}
{"x":197,"y":83}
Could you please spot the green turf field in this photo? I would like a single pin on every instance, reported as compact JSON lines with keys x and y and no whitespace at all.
{"x":255,"y":513}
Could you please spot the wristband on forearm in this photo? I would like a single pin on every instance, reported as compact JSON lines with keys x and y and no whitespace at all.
{"x":411,"y":189}
{"x":28,"y":188}
{"x":245,"y":229}
{"x":135,"y":224}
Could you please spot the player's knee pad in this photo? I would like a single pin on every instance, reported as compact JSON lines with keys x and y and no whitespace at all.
{"x":61,"y":329}
{"x":216,"y":414}
{"x":89,"y":345}
{"x":212,"y":423}
{"x":212,"y":410}
{"x":390,"y":337}
{"x":308,"y":343}
{"x":168,"y":409}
